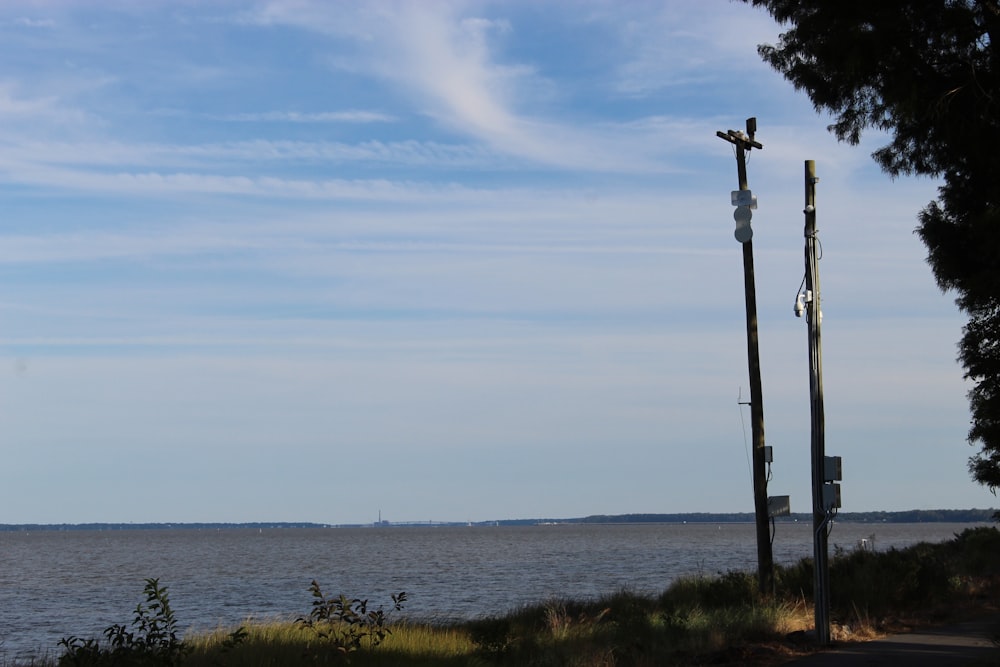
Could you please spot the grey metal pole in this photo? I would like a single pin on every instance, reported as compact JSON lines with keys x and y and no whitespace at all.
{"x":821,"y":583}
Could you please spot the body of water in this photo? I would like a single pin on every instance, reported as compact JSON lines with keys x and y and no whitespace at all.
{"x":54,"y":584}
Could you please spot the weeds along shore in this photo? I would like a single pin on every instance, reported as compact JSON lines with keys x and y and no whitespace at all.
{"x":719,"y":619}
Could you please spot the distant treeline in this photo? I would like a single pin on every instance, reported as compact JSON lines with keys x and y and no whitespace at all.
{"x":911,"y":516}
{"x":153,"y":526}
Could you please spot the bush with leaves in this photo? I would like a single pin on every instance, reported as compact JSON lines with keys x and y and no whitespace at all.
{"x":347,"y":623}
{"x":152,"y":638}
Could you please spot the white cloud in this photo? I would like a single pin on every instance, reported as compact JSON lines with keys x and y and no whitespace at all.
{"x":33,"y":154}
{"x":354,"y":116}
{"x":16,"y":106}
{"x":676,"y":46}
{"x":151,"y":183}
{"x":28,"y":22}
{"x":445,"y":60}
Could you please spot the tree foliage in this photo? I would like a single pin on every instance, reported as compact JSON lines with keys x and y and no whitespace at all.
{"x":928,"y":73}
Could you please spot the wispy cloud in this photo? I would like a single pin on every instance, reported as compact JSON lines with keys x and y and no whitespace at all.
{"x":19,"y":107}
{"x":667,"y":47}
{"x":242,"y":154}
{"x":29,"y":22}
{"x":159,"y":183}
{"x":353,"y":116}
{"x":444,"y":56}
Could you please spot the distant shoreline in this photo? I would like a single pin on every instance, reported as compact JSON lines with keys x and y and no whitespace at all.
{"x":910,"y":516}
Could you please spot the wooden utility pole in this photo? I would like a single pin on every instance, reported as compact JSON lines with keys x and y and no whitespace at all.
{"x":744,"y":202}
{"x":822,"y":504}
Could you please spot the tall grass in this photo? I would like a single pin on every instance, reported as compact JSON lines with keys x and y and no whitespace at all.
{"x":278,"y":643}
{"x":691,"y":618}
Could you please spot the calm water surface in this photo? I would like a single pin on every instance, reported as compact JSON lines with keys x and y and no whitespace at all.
{"x":55,"y":584}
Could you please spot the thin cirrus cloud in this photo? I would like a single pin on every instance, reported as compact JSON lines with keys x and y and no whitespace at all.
{"x":157,"y":183}
{"x":445,"y":62}
{"x":407,"y":153}
{"x":669,"y":34}
{"x":18,"y":108}
{"x":351,"y":116}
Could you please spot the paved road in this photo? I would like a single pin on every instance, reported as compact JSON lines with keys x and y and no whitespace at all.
{"x":969,"y":643}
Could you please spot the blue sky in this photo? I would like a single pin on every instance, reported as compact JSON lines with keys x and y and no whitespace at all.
{"x":301,"y":260}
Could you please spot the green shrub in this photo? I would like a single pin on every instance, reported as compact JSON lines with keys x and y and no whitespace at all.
{"x":977,"y":550}
{"x":795,"y":582}
{"x":875,"y":583}
{"x":152,"y":639}
{"x":730,"y":588}
{"x":494,"y":637}
{"x":346,"y":624}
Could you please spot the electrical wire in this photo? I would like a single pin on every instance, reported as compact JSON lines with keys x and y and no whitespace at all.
{"x":831,"y":515}
{"x":801,"y":287}
{"x":819,"y":243}
{"x":746,"y":445}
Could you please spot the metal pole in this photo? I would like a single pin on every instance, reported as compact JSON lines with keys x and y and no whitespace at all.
{"x":821,"y":584}
{"x":765,"y":560}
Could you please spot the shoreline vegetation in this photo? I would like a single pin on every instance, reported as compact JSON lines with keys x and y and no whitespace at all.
{"x":909,"y":516}
{"x":720,"y":620}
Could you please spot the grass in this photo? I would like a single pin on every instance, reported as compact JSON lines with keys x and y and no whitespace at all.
{"x":621,"y":629}
{"x":718,"y":619}
{"x":287,"y":643}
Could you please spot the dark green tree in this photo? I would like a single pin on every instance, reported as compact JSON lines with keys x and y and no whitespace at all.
{"x":928,"y":73}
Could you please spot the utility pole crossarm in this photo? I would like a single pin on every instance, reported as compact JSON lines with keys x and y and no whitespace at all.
{"x":734,"y":137}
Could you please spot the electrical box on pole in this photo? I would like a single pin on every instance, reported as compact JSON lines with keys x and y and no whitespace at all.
{"x":832,"y":469}
{"x":778,"y":506}
{"x":831,"y":497}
